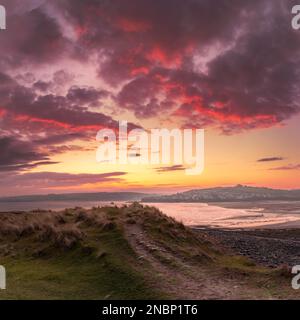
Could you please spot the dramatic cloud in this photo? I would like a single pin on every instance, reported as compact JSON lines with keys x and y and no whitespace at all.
{"x":63,"y":111}
{"x":19,"y":155}
{"x":53,"y":179}
{"x":59,"y":138}
{"x":33,"y":127}
{"x":85,"y":95}
{"x":271,"y":159}
{"x":32,"y":37}
{"x":235,"y":63}
{"x":47,"y":181}
{"x":71,"y":67}
{"x":232,"y":65}
{"x":170,"y":168}
{"x":287,"y":168}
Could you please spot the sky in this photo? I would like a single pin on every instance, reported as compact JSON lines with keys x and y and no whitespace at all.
{"x":69,"y":68}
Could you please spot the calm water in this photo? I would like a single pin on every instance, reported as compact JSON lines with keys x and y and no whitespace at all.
{"x":235,"y":215}
{"x":261,"y":215}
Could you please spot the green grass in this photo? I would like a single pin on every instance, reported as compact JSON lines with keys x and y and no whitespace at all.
{"x":69,"y":278}
{"x":103,"y":266}
{"x":42,"y":263}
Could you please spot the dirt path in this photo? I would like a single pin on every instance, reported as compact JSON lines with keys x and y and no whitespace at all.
{"x":181,"y":279}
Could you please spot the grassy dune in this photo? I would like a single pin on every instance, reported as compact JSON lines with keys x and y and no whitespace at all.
{"x":133,"y":252}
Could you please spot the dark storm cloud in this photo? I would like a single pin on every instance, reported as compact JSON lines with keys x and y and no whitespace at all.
{"x":85,"y":95}
{"x":54,"y":150}
{"x":25,"y":167}
{"x":227,"y":64}
{"x":46,"y":180}
{"x":136,"y":35}
{"x":170,"y":168}
{"x":31,"y":37}
{"x":251,"y":82}
{"x":42,"y":85}
{"x":259,"y":77}
{"x":60,"y":138}
{"x":271,"y":159}
{"x":139,"y":96}
{"x":47,"y":124}
{"x":19,"y":155}
{"x":287,"y":167}
{"x":62,"y":143}
{"x":52,"y":109}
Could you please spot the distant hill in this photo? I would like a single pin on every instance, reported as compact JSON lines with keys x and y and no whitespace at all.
{"x":228,"y":194}
{"x":98,"y":196}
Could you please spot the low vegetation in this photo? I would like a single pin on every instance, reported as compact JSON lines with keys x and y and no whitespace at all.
{"x":131,"y":252}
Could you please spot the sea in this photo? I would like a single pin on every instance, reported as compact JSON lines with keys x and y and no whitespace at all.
{"x":267,"y":214}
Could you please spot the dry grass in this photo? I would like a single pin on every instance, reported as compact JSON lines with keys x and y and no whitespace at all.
{"x":53,"y":228}
{"x":98,"y":240}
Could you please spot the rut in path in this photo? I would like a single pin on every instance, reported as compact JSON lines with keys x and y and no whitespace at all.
{"x":180,"y":279}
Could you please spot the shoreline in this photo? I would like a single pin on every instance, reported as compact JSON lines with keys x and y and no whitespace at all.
{"x":270,"y":247}
{"x":218,"y":215}
{"x":272,"y":226}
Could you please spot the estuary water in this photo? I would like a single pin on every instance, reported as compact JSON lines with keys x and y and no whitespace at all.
{"x":219,"y":215}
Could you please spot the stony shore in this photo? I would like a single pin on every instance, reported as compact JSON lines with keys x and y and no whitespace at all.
{"x":268,"y":247}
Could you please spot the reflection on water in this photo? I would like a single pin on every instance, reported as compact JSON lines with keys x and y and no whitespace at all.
{"x":217,"y":216}
{"x":236,"y":215}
